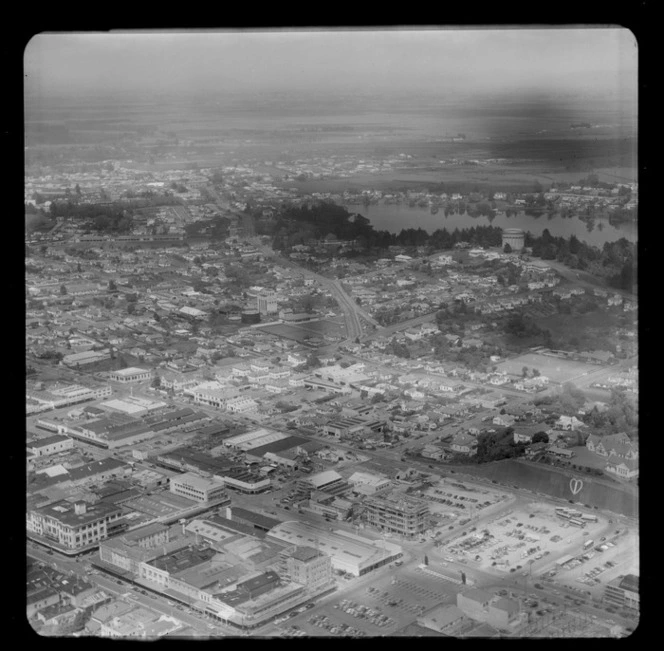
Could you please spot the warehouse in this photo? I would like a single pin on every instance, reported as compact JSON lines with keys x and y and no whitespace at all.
{"x":349,"y":552}
{"x":50,"y":445}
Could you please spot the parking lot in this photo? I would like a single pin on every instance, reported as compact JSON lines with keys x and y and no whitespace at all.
{"x":527,"y":534}
{"x":594,"y":568}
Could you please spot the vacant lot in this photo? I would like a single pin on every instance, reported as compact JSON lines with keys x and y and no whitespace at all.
{"x":557,"y":370}
{"x":307,"y":331}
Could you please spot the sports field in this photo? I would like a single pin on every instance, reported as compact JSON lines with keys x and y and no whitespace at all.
{"x":556,"y":369}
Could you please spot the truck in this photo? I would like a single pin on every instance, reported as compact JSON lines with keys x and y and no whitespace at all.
{"x":588,"y":544}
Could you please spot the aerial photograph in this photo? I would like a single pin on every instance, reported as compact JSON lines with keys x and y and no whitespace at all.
{"x":332,"y":332}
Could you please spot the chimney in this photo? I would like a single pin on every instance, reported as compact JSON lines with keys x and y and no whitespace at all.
{"x":80,"y":507}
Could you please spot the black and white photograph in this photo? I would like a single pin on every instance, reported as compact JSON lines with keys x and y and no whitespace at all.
{"x":332,"y":332}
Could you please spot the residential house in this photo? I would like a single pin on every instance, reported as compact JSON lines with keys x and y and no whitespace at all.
{"x":463,"y":443}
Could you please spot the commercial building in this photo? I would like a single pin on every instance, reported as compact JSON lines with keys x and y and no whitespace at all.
{"x":50,"y":445}
{"x":399,"y":514}
{"x":349,"y":552}
{"x":244,"y":481}
{"x":623,"y":592}
{"x":76,"y":526}
{"x":62,"y":396}
{"x":365,"y":483}
{"x":515,"y":237}
{"x":485,"y":607}
{"x":307,"y":566}
{"x":199,"y":489}
{"x":130,"y":375}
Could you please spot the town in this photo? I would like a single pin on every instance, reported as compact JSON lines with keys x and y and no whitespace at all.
{"x":251,"y":411}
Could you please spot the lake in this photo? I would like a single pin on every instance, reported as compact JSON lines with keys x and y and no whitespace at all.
{"x":393,"y":218}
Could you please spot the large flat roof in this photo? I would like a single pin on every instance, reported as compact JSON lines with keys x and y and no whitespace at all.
{"x":323,"y":478}
{"x":340,"y":545}
{"x":64,"y":512}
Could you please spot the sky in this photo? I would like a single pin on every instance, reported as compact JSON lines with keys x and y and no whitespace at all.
{"x":408,"y":59}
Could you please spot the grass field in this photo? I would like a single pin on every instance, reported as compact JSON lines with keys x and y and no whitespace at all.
{"x":557,"y":370}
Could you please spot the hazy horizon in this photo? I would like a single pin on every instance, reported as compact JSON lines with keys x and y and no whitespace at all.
{"x":534,"y":62}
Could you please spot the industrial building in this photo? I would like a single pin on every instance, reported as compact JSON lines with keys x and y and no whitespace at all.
{"x":399,"y":514}
{"x":349,"y":552}
{"x":328,"y":481}
{"x":49,"y":445}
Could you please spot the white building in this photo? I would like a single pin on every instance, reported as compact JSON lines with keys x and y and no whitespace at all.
{"x":197,"y":488}
{"x":131,"y":375}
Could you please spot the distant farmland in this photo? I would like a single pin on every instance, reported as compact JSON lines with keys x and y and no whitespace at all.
{"x":556,"y":369}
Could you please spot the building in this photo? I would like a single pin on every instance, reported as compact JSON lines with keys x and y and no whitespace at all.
{"x":499,"y":612}
{"x":306,"y":566}
{"x":402,"y":515}
{"x":515,"y":237}
{"x":131,"y":375}
{"x":50,"y":445}
{"x":463,"y":443}
{"x":443,"y":619}
{"x":74,"y":526}
{"x":365,"y":483}
{"x":267,"y":303}
{"x":257,"y":521}
{"x":349,"y":552}
{"x":623,"y":592}
{"x":199,"y":489}
{"x":623,"y":468}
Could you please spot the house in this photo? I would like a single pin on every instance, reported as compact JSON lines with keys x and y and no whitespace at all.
{"x":464,"y":444}
{"x":535,"y":449}
{"x":619,"y":445}
{"x":569,"y":423}
{"x":504,"y":420}
{"x":623,"y":468}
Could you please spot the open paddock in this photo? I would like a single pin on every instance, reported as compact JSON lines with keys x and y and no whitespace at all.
{"x":556,"y":369}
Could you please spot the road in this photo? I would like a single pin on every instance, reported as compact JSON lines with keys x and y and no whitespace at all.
{"x":352,"y":311}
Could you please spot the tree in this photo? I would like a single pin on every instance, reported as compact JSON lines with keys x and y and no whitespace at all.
{"x":63,"y":290}
{"x":78,"y":189}
{"x":156,"y":382}
{"x":524,"y":371}
{"x":507,"y":248}
{"x":112,"y":287}
{"x":540,"y":437}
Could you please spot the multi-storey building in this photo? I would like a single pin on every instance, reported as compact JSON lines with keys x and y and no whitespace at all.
{"x":306,"y":566}
{"x":623,"y":592}
{"x":197,"y":488}
{"x":74,"y":526}
{"x":401,"y":514}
